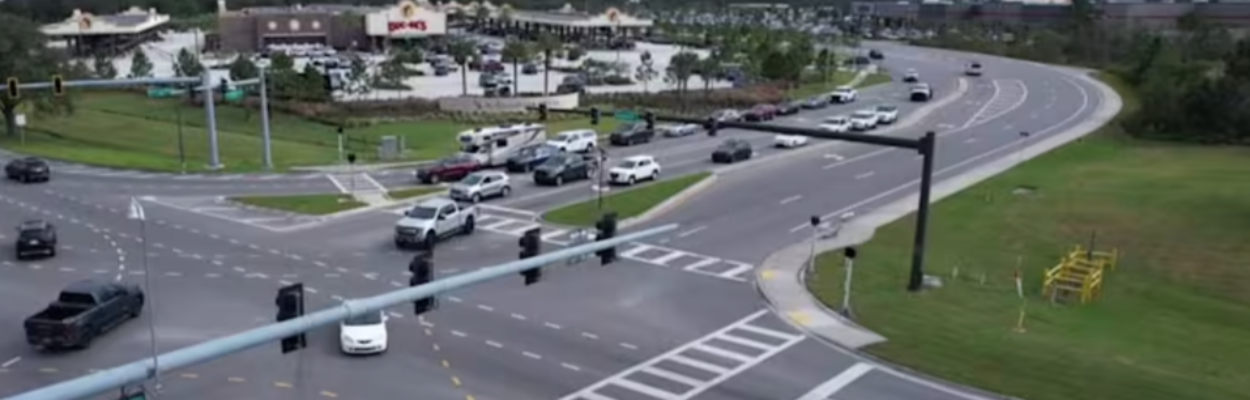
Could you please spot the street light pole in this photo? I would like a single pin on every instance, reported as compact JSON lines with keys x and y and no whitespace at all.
{"x":182,"y":147}
{"x":848,"y":255}
{"x":915,"y":280}
{"x":136,"y":212}
{"x":264,"y":119}
{"x":211,"y":111}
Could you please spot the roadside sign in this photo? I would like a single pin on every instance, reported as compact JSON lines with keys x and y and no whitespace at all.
{"x":160,"y":92}
{"x":626,"y":116}
{"x":235,"y":95}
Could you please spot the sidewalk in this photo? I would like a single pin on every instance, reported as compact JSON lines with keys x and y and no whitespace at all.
{"x":781,"y":278}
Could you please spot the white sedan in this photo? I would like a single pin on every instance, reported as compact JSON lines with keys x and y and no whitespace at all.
{"x":839,"y":124}
{"x":364,"y":334}
{"x":789,"y":141}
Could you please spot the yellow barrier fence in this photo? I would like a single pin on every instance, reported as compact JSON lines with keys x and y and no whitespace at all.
{"x":1079,"y":273}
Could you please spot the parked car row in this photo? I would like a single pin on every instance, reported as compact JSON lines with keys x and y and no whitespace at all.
{"x":862,"y":120}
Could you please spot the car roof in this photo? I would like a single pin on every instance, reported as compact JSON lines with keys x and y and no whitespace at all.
{"x":489,"y":173}
{"x":33,"y":224}
{"x":865,"y":111}
{"x":844,"y":87}
{"x":641,"y":157}
{"x":887,"y":106}
{"x":836,"y":118}
{"x":436,"y":202}
{"x":574,"y":131}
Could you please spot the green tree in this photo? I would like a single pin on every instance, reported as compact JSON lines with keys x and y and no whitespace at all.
{"x":710,"y":69}
{"x":826,"y":64}
{"x":281,"y":62}
{"x":575,"y":53}
{"x":140,"y":65}
{"x":680,"y":68}
{"x":242,"y":68}
{"x":24,"y":55}
{"x":358,"y":75}
{"x":78,"y":70}
{"x":187,"y":64}
{"x":517,"y":52}
{"x":462,"y":51}
{"x":646,"y":72}
{"x":103,"y":67}
{"x":547,"y":45}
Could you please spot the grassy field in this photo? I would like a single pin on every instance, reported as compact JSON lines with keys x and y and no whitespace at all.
{"x":128,"y":130}
{"x":627,"y":204}
{"x":1173,"y":321}
{"x":839,"y":78}
{"x":311,"y":204}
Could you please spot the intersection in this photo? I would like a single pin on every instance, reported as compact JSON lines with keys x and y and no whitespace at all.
{"x":677,"y":318}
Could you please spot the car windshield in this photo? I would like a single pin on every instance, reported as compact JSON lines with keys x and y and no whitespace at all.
{"x":886,"y":108}
{"x":373,"y":318}
{"x":472,"y":179}
{"x":453,"y":160}
{"x":556,"y":160}
{"x":863,"y":114}
{"x":627,"y":128}
{"x":422,"y":212}
{"x":835,"y":120}
{"x":565,"y":137}
{"x":843,"y":89}
{"x":728,"y":145}
{"x":628,"y":164}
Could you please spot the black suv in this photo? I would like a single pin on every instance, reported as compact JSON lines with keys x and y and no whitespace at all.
{"x":875,"y":54}
{"x":28,"y":169}
{"x":562,"y":168}
{"x":36,"y":237}
{"x":731,"y":151}
{"x":631,"y":134}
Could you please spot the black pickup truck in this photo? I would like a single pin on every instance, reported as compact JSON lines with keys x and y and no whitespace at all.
{"x":83,"y":311}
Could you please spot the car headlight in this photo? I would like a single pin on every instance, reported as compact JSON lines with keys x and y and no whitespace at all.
{"x":347,"y":339}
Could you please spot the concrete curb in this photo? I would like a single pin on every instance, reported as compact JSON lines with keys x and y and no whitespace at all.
{"x":672,"y":202}
{"x":862,"y":229}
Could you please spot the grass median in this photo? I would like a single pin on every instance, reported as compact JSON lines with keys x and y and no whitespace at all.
{"x":627,"y":204}
{"x":309,"y":204}
{"x":1172,"y":321}
{"x":132,"y":131}
{"x":404,"y":194}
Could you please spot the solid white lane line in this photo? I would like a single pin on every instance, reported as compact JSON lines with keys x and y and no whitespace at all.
{"x":865,"y":175}
{"x":832,"y":386}
{"x":790,"y":199}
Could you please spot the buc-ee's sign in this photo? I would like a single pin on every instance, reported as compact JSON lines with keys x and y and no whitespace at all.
{"x":398,"y":26}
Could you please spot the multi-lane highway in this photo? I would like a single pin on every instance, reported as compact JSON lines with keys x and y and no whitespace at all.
{"x":677,"y":318}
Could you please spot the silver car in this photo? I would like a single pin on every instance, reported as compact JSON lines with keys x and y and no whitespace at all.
{"x":480,"y":185}
{"x":678,"y":130}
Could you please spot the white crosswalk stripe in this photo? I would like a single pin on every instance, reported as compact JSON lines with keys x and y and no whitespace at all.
{"x":641,"y":252}
{"x":695,"y":367}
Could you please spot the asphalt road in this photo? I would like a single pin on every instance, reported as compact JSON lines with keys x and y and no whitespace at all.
{"x":585,"y":330}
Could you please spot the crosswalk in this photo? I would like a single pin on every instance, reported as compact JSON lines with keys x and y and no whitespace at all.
{"x":659,"y":256}
{"x":691,"y":369}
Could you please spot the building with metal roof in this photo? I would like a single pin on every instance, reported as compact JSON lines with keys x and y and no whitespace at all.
{"x":87,"y":33}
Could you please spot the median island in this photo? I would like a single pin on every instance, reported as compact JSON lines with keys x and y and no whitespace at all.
{"x":310,"y":204}
{"x":1170,"y":321}
{"x":629,"y":203}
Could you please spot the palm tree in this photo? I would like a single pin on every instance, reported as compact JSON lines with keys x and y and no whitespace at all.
{"x":680,"y":67}
{"x":515,"y":52}
{"x":461,"y":51}
{"x":547,"y":45}
{"x":710,"y":69}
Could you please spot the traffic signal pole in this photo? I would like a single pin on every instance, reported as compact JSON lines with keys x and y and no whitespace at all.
{"x":925,"y":145}
{"x":135,"y":372}
{"x":205,"y":82}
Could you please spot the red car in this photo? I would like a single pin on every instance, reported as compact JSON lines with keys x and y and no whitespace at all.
{"x":448,"y":169}
{"x":762,"y":112}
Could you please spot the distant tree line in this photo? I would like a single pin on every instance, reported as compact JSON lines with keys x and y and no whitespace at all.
{"x":1193,"y":82}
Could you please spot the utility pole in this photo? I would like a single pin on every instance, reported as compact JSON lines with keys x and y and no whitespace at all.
{"x":214,"y":162}
{"x":264,"y":116}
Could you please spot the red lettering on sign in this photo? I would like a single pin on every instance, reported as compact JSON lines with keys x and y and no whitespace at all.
{"x":409,"y":25}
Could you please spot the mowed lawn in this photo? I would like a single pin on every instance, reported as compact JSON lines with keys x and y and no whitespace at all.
{"x":127,"y":130}
{"x":1173,"y":321}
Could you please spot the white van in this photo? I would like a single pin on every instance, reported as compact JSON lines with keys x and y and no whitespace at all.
{"x":577,"y":141}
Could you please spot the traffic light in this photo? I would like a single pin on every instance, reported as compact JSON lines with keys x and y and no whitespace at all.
{"x":650,"y":118}
{"x":711,"y":125}
{"x":58,"y":85}
{"x":290,"y":302}
{"x":14,"y":92}
{"x":607,"y":229}
{"x":542,"y":112}
{"x":422,"y":269}
{"x":850,"y":253}
{"x":594,"y":115}
{"x":531,"y":246}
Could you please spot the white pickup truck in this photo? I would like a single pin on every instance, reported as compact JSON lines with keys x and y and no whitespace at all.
{"x":432,"y":220}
